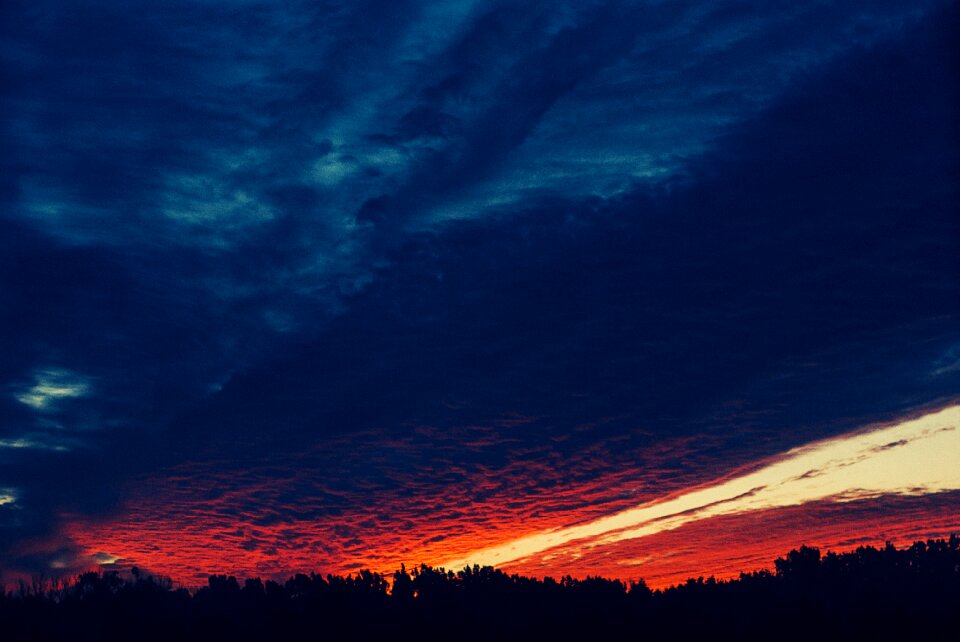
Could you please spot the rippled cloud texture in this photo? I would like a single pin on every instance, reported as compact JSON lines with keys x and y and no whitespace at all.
{"x":917,"y":457}
{"x":325,"y":285}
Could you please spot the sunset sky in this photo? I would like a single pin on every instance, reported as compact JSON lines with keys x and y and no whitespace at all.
{"x":649,"y":289}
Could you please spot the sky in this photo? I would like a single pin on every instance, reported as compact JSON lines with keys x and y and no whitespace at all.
{"x":643,"y":289}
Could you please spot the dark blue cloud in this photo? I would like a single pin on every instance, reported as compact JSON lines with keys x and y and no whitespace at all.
{"x":810,"y":242}
{"x":256,"y":229}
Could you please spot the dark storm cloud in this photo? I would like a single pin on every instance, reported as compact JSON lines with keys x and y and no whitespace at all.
{"x":817,"y":235}
{"x":614,"y":223}
{"x":653,"y":81}
{"x":517,"y":100}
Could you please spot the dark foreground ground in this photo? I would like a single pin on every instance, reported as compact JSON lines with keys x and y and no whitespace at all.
{"x":869,"y":594}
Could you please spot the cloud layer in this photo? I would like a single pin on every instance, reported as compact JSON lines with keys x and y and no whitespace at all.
{"x":301,"y":274}
{"x":916,"y":457}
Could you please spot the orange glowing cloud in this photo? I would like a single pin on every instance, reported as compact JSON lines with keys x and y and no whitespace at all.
{"x":916,"y":457}
{"x":726,"y":545}
{"x":279,"y":517}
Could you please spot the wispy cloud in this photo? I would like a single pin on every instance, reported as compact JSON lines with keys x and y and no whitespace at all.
{"x":52,"y":386}
{"x":29,"y":442}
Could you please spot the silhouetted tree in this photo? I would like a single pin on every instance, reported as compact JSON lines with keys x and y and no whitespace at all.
{"x":880,"y":594}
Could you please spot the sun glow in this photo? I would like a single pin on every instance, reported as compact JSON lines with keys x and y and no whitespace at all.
{"x":915,"y":457}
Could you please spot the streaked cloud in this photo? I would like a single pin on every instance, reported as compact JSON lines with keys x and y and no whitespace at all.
{"x":916,"y":457}
{"x":52,"y":386}
{"x":29,"y":442}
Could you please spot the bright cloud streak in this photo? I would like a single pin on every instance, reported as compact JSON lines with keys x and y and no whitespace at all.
{"x":23,"y":442}
{"x":915,"y":457}
{"x":51,"y":386}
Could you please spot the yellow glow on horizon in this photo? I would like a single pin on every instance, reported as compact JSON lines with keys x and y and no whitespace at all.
{"x":914,"y":457}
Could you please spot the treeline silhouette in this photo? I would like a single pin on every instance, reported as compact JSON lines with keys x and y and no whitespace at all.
{"x":910,"y":593}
